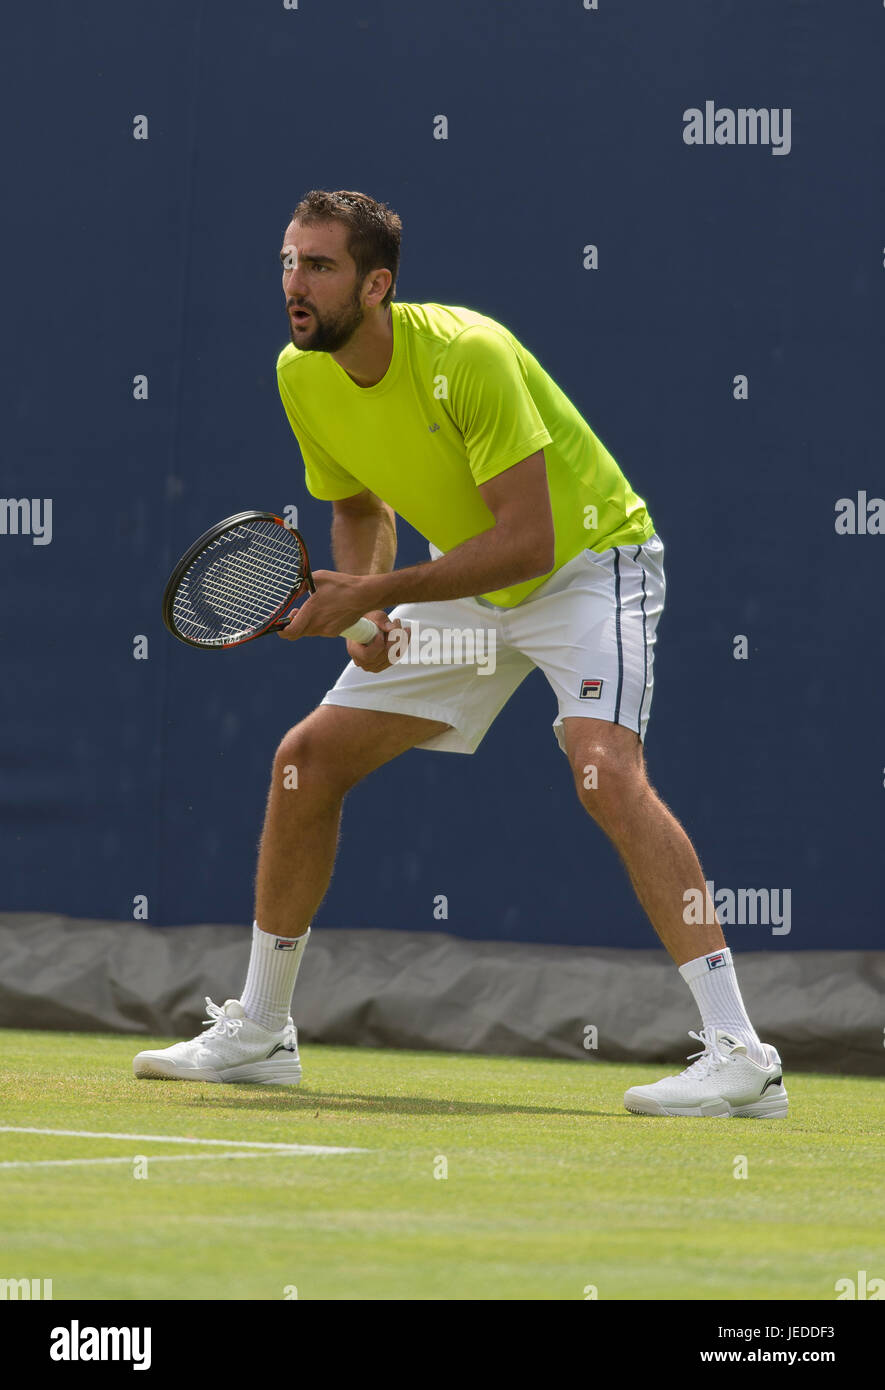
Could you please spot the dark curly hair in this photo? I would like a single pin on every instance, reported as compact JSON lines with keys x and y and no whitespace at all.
{"x":374,"y":229}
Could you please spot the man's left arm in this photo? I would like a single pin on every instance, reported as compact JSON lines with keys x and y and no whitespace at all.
{"x":518,"y":546}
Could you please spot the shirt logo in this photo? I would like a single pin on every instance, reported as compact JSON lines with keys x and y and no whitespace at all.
{"x":433,"y":428}
{"x":590,"y":690}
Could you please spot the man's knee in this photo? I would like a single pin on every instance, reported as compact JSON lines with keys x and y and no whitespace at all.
{"x":309,"y":760}
{"x":609,"y":780}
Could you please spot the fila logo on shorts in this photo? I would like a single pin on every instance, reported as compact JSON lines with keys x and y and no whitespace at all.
{"x":714,"y":962}
{"x":591,"y":690}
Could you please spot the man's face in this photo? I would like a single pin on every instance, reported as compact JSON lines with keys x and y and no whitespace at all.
{"x":320,"y":285}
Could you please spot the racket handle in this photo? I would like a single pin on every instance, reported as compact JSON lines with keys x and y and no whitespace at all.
{"x":363,"y":631}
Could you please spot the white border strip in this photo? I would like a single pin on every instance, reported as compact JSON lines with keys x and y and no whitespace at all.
{"x":179,"y":1139}
{"x":134,"y":1158}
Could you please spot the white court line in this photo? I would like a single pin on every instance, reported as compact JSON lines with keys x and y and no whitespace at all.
{"x":178,"y":1139}
{"x":156,"y":1158}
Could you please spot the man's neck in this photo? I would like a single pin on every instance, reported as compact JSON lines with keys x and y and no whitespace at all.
{"x":369,"y":353}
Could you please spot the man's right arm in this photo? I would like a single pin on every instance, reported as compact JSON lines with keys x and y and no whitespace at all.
{"x":363,"y":534}
{"x":364,"y":542}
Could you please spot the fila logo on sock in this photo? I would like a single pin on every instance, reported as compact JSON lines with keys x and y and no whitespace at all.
{"x":590,"y":690}
{"x":281,"y":945}
{"x":714,"y":962}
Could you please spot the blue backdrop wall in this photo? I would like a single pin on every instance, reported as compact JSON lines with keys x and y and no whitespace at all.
{"x":158,"y":256}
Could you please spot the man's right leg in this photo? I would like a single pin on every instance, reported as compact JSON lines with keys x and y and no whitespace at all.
{"x":315,"y":766}
{"x":252,"y":1038}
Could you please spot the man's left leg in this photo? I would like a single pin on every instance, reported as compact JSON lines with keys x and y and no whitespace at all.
{"x":608,"y":764}
{"x":657,"y":853}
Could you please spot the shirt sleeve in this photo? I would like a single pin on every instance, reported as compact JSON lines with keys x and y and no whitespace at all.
{"x":325,"y":478}
{"x":490,"y":403}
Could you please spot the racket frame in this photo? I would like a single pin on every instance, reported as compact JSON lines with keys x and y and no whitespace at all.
{"x":273,"y":623}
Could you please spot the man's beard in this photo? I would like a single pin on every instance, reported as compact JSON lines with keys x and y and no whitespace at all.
{"x":330,"y":334}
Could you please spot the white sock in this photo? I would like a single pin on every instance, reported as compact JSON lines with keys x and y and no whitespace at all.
{"x":713,"y":982}
{"x":270,"y":982}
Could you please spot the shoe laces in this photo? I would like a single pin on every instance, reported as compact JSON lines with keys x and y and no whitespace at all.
{"x":222,"y":1026}
{"x":709,"y":1057}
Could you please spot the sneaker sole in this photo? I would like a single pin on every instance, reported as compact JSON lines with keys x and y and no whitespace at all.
{"x":774,"y":1108}
{"x":268,"y":1073}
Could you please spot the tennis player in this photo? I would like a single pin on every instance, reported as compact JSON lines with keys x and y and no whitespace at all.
{"x":441,"y":416}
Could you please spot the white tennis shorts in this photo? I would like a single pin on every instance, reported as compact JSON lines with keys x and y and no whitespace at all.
{"x":590,"y":628}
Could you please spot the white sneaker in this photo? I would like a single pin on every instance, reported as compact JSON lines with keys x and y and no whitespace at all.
{"x":723,"y":1082}
{"x":234,"y":1049}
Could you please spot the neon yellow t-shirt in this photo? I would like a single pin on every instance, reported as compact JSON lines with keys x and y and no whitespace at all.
{"x":461,"y":402}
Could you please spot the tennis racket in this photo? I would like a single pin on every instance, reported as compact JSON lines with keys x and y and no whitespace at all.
{"x":235,"y":583}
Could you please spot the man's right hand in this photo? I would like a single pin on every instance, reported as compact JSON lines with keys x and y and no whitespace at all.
{"x":376,"y":655}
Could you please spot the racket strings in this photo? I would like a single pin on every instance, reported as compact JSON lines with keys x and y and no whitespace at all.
{"x":238,"y":583}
